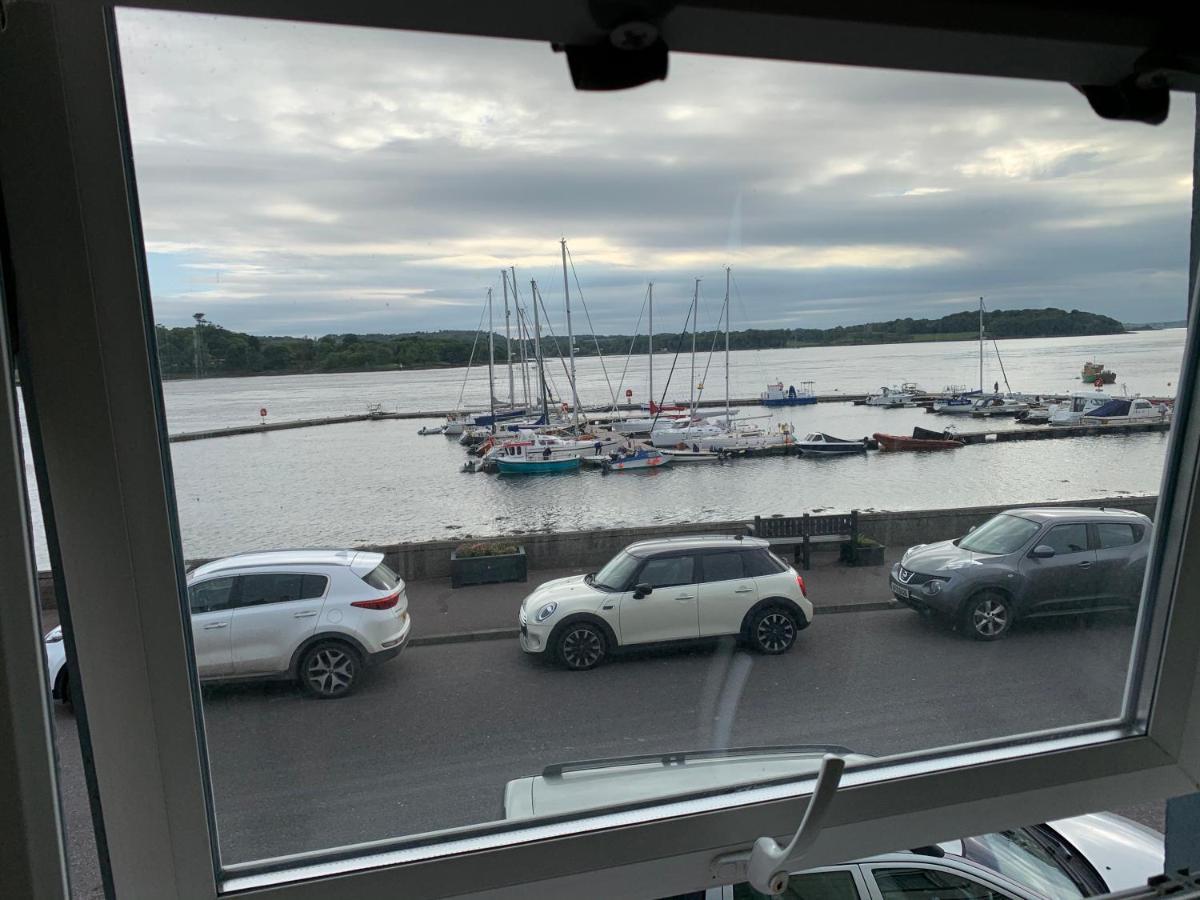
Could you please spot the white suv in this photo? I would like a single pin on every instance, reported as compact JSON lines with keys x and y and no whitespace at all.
{"x":669,"y":590}
{"x":318,"y":616}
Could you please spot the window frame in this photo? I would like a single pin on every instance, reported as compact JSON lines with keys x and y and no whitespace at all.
{"x":71,"y":201}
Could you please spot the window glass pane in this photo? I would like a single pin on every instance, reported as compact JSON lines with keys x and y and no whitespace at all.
{"x":931,"y":884}
{"x":1066,"y":539}
{"x":1115,"y":535}
{"x":666,"y":571}
{"x":211,"y":595}
{"x":722,"y":566}
{"x":360,"y":285}
{"x":808,"y":886}
{"x":1019,"y":856}
{"x":270,"y":588}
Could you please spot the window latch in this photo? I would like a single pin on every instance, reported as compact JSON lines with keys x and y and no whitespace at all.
{"x":768,"y":864}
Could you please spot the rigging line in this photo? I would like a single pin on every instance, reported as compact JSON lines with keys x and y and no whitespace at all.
{"x":588,"y":315}
{"x":666,"y":387}
{"x":471,"y":360}
{"x":632,"y":343}
{"x":554,"y":337}
{"x":711,"y":351}
{"x":999,"y":358}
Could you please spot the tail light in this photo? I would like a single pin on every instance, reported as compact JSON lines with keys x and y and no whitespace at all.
{"x":799,"y":581}
{"x":381,"y":603}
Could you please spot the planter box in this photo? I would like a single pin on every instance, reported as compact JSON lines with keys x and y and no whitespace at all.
{"x":862,"y":556}
{"x":488,"y":569}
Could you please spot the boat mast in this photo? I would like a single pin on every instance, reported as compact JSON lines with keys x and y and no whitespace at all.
{"x":692,"y":394}
{"x":537,"y":351}
{"x":570,"y":336}
{"x":727,"y":415}
{"x":522,"y":336}
{"x":981,"y":346}
{"x":491,"y":363}
{"x":512,"y":395}
{"x":650,"y":346}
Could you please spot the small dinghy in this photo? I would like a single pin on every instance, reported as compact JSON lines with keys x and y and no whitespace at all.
{"x":439,"y":429}
{"x":921,"y":439}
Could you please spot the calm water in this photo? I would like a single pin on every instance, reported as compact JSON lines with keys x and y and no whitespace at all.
{"x":378,"y":482}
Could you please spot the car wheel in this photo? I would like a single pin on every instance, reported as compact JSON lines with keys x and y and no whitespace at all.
{"x":62,"y":689}
{"x":581,"y":645}
{"x":773,"y":630}
{"x":988,"y":616}
{"x":329,"y":669}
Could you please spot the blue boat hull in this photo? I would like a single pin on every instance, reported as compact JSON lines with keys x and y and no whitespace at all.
{"x":537,"y":466}
{"x":790,"y":401}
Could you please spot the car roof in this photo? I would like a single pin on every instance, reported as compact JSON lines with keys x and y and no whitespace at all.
{"x":695,"y":542}
{"x":359,"y":560}
{"x":1055,"y":513}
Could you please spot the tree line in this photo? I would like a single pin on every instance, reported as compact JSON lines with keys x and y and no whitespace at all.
{"x":225,"y":352}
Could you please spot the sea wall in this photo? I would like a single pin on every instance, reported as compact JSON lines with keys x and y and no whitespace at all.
{"x":592,"y":548}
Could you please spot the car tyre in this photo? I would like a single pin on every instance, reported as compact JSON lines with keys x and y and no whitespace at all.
{"x":987,"y":616}
{"x":329,"y":669}
{"x":581,"y":646}
{"x":773,"y":630}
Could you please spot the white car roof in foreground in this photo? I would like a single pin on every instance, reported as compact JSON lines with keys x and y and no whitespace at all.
{"x":359,"y":561}
{"x":1122,"y":851}
{"x":695,"y":542}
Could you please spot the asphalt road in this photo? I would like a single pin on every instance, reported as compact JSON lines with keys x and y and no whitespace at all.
{"x":430,"y":739}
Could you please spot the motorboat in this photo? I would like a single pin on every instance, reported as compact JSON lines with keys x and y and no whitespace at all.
{"x":921,"y":439}
{"x":820,"y":442}
{"x":895,"y":397}
{"x":644,"y":458}
{"x":455,"y":423}
{"x":1035,"y":415}
{"x":1080,"y":404}
{"x":1125,"y":411}
{"x":959,"y":403}
{"x":517,"y":465}
{"x":998,"y":405}
{"x":692,"y":456}
{"x":777,"y":395}
{"x":434,"y":429}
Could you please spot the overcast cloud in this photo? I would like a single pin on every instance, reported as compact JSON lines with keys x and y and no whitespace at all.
{"x":308,"y":180}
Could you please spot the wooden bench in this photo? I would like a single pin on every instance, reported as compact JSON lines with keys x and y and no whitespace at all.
{"x":801,"y":532}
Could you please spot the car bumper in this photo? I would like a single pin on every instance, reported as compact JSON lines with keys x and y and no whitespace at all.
{"x":391,"y":648}
{"x":915,"y":597}
{"x":534,"y":638}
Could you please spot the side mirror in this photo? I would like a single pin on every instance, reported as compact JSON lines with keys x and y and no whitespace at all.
{"x":642,"y":590}
{"x":1042,"y":551}
{"x":972,"y":528}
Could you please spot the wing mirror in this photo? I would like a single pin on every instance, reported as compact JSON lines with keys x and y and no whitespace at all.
{"x":642,"y":590}
{"x":1042,"y":551}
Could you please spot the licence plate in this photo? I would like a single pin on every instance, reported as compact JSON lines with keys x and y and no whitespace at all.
{"x":901,"y":592}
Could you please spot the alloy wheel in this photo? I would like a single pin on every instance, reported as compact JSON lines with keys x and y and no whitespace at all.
{"x":330,"y":671}
{"x":775,"y":632}
{"x":989,"y":617}
{"x":582,"y":648}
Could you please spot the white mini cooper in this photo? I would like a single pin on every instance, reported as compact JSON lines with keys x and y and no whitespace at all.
{"x":672,"y":589}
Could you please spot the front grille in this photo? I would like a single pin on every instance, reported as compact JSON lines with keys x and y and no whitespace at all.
{"x":909,"y":577}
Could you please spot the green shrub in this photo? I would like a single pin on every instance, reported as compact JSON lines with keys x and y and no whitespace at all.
{"x":464,"y":551}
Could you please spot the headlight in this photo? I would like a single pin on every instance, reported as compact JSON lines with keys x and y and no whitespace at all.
{"x":545,"y":612}
{"x":934,"y":587}
{"x":54,"y":635}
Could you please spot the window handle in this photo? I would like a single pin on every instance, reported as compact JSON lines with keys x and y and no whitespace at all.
{"x":768,"y":864}
{"x":211,"y":625}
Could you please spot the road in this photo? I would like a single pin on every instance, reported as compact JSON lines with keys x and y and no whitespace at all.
{"x":431,"y":738}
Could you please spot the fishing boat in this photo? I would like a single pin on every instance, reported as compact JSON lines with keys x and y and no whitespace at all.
{"x":999,"y":405}
{"x":518,"y":465}
{"x":894,"y":397}
{"x":819,"y":442}
{"x":1096,"y":373}
{"x":432,"y":429}
{"x":921,"y":439}
{"x":644,"y":458}
{"x":776,"y":395}
{"x":692,"y":456}
{"x":1125,"y":411}
{"x":1080,"y":404}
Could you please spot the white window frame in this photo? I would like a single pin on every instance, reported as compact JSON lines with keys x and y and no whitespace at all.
{"x":75,"y":237}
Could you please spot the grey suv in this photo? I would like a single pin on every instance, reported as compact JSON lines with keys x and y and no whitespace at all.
{"x":1028,"y":563}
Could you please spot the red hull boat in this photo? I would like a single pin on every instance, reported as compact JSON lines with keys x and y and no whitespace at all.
{"x":921,"y":439}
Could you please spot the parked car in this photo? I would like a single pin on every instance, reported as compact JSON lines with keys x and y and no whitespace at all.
{"x":316,"y":616}
{"x":669,"y":589}
{"x":1028,"y":563}
{"x":1079,"y":857}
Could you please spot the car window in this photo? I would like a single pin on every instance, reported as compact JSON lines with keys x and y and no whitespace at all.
{"x":1115,"y":534}
{"x":1000,"y":534}
{"x":313,"y":586}
{"x":722,"y":566}
{"x":931,"y":884}
{"x":759,"y":563}
{"x":1067,"y":539}
{"x":1018,"y":855}
{"x":209,"y":596}
{"x":617,"y":571}
{"x":270,"y":588}
{"x":382,"y":578}
{"x":836,"y":885}
{"x":664,"y":571}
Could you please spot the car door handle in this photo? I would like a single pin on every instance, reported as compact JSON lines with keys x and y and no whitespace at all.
{"x":304,"y":615}
{"x":1084,"y":565}
{"x":686,"y":597}
{"x":742,"y":590}
{"x":212,"y":625}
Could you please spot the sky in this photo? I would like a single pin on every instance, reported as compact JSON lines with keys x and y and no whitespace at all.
{"x":308,"y":180}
